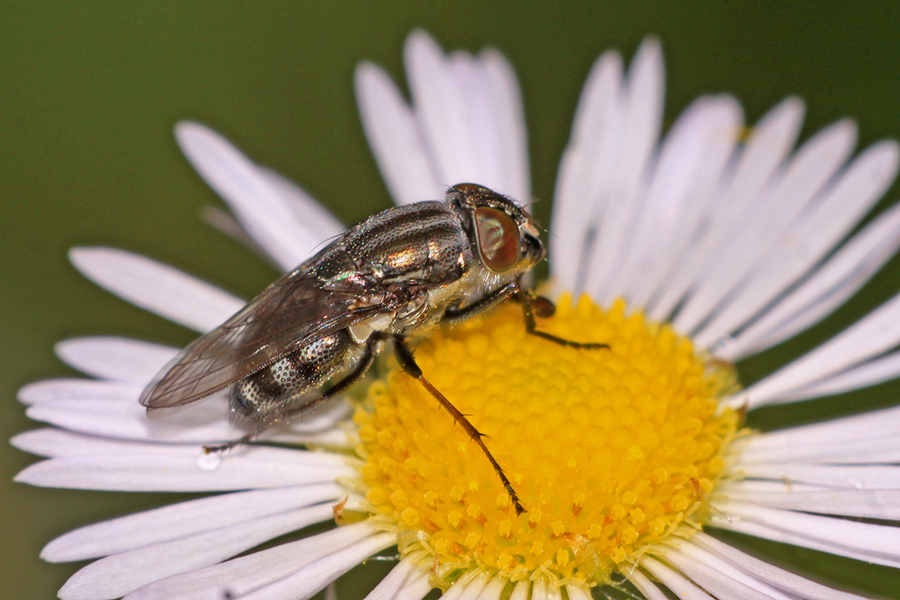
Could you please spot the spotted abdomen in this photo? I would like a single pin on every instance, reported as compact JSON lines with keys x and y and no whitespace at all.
{"x":282,"y":387}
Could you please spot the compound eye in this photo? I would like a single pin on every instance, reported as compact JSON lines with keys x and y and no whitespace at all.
{"x":498,"y":239}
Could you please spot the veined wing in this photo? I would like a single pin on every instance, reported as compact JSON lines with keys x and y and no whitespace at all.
{"x":290,"y":311}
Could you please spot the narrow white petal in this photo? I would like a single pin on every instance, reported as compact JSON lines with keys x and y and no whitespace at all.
{"x":156,"y":287}
{"x":184,"y":519}
{"x":129,"y":466}
{"x":878,"y":544}
{"x":577,"y":591}
{"x":719,"y":580}
{"x":642,"y":118}
{"x":584,"y":173}
{"x":54,"y":390}
{"x":541,"y":589}
{"x":244,"y":574}
{"x":520,"y":591}
{"x":393,"y":134}
{"x":508,"y":115}
{"x":775,"y":210}
{"x":415,"y":588}
{"x":56,"y":442}
{"x":121,"y":573}
{"x":309,"y":213}
{"x":862,"y":477}
{"x":872,"y":335}
{"x":115,"y":358}
{"x":872,"y":504}
{"x":860,"y":427}
{"x":389,"y":587}
{"x":734,"y":201}
{"x":763,"y":571}
{"x":690,"y":160}
{"x":828,"y":288}
{"x":680,"y":586}
{"x":257,"y":204}
{"x":312,"y":578}
{"x":467,"y":587}
{"x":494,"y":589}
{"x":871,"y":373}
{"x":123,"y":417}
{"x":645,"y":586}
{"x":825,"y":223}
{"x":454,"y":115}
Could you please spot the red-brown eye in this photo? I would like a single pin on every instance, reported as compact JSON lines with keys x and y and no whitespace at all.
{"x":498,"y":239}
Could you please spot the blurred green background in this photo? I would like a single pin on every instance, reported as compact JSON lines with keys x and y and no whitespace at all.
{"x":89,"y":93}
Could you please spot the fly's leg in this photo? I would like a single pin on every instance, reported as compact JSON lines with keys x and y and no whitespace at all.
{"x":408,"y":364}
{"x":365,"y":361}
{"x":455,"y":315}
{"x":545,"y":308}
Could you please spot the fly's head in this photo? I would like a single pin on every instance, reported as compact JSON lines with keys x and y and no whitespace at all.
{"x":505,"y":237}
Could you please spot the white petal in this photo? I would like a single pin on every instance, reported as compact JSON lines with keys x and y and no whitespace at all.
{"x":870,"y":477}
{"x":827,"y":289}
{"x":645,"y":585}
{"x":415,"y":588}
{"x":312,"y":578}
{"x":642,"y":118}
{"x":733,"y":203}
{"x":520,"y":591}
{"x":878,"y":544}
{"x":577,"y":591}
{"x":54,"y":390}
{"x":453,"y":105}
{"x":774,"y":212}
{"x":584,"y":173}
{"x":467,"y":587}
{"x":393,"y":134}
{"x":389,"y":587}
{"x":115,"y":358}
{"x":508,"y":115}
{"x":244,"y":574}
{"x":123,"y":417}
{"x":691,"y":159}
{"x":184,"y":519}
{"x":129,"y":466}
{"x":872,"y":335}
{"x":872,"y":504}
{"x":494,"y":589}
{"x":873,"y":372}
{"x":309,"y":213}
{"x":680,"y":586}
{"x":801,"y":247}
{"x":255,"y":201}
{"x":763,"y":571}
{"x":118,"y":574}
{"x":156,"y":287}
{"x":541,"y":589}
{"x":720,"y":580}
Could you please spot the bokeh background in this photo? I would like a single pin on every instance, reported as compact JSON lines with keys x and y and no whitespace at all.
{"x":89,"y":93}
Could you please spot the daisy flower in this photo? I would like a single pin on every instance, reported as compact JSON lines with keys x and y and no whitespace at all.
{"x":685,"y":252}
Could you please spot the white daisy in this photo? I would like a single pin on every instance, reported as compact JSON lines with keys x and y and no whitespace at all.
{"x":691,"y":253}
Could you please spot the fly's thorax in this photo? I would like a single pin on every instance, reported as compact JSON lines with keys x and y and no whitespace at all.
{"x":422,"y":243}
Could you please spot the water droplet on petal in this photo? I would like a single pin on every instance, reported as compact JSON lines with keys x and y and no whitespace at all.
{"x":209,"y":461}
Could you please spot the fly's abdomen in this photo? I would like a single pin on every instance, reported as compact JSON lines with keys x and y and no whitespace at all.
{"x":288,"y":382}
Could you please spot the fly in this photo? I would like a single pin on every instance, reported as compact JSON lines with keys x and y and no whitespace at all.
{"x":390,"y":277}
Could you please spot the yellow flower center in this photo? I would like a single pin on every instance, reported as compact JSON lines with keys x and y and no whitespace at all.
{"x":610,"y":450}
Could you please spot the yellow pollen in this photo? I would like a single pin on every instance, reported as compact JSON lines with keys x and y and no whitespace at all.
{"x":609,"y":450}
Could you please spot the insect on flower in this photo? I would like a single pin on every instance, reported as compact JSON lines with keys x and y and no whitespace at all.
{"x":388,"y":278}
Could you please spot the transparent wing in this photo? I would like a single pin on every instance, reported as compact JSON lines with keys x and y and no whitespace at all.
{"x":292,"y":310}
